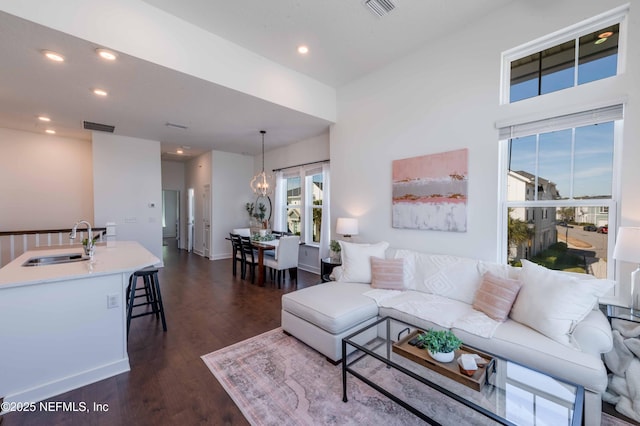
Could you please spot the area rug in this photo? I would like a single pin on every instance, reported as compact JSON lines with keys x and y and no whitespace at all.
{"x":276,"y":380}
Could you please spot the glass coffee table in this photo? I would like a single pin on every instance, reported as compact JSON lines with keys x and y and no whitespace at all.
{"x":509,"y":393}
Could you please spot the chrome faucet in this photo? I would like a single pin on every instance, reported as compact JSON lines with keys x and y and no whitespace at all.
{"x":89,"y":246}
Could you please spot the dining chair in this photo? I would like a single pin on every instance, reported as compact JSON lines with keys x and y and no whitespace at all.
{"x":286,"y":258}
{"x":236,"y":246}
{"x":249,"y":258}
{"x":243,"y":232}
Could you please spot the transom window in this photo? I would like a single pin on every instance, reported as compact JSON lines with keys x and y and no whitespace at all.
{"x":588,"y":58}
{"x":588,"y":52}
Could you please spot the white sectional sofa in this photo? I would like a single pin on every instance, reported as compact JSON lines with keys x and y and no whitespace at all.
{"x":554,"y":325}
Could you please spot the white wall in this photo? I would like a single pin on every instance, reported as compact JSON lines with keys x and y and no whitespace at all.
{"x":126,"y":181}
{"x":304,"y":151}
{"x":445,"y":97}
{"x":230,"y":192}
{"x":46,"y":181}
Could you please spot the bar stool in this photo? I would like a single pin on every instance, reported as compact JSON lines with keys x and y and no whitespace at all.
{"x":150,"y":292}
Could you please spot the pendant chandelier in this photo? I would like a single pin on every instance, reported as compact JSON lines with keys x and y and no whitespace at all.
{"x":260,"y":182}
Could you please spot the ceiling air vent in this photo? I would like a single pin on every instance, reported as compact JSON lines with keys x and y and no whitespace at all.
{"x":380,"y":7}
{"x":176,"y":126}
{"x":99,"y":127}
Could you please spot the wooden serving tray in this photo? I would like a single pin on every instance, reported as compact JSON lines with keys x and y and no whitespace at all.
{"x":447,"y":369}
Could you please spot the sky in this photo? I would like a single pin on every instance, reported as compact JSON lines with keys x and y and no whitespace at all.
{"x":590,"y":175}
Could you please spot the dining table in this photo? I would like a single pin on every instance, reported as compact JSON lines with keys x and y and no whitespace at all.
{"x":263,"y":246}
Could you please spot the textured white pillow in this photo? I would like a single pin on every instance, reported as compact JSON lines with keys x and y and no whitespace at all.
{"x":356,"y":260}
{"x":454,"y":277}
{"x":409,"y":257}
{"x":554,"y":303}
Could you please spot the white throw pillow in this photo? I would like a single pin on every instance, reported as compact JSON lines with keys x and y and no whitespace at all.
{"x":356,"y":260}
{"x":454,"y":277}
{"x":554,"y":303}
{"x":409,"y":258}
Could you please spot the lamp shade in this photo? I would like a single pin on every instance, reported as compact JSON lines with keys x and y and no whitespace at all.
{"x":627,"y":245}
{"x":347,"y":226}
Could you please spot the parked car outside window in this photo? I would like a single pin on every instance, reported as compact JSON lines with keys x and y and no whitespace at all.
{"x":590,"y":228}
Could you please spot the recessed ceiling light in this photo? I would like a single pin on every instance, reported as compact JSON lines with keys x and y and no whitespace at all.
{"x":106,"y":54}
{"x":605,"y":34}
{"x":303,"y":50}
{"x":44,"y":118}
{"x":56,"y":57}
{"x":50,"y":131}
{"x":180,"y":151}
{"x":100,"y":92}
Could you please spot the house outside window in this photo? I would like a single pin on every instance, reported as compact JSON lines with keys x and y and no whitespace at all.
{"x":293,"y":205}
{"x":559,"y":187}
{"x":314,"y":206}
{"x":303,"y":204}
{"x":560,"y":192}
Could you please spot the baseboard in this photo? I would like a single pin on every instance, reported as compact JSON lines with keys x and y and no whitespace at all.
{"x":66,"y":384}
{"x":310,"y":268}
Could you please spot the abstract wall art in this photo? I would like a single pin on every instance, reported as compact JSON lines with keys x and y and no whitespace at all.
{"x":430,"y":192}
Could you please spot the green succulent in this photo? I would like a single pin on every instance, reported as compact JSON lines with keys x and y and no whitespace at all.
{"x":440,"y":341}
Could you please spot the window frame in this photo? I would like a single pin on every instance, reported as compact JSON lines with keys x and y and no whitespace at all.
{"x":306,"y":205}
{"x":611,"y":204}
{"x":287,"y":206}
{"x":310,"y":207}
{"x":574,"y":32}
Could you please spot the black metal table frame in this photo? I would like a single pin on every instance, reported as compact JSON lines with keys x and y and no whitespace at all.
{"x":578,"y":406}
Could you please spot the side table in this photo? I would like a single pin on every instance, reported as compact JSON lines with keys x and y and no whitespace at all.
{"x":326,"y":267}
{"x":623,"y":313}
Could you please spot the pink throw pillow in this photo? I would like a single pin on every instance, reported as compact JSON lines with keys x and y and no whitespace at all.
{"x":387,"y":273}
{"x":496,"y":296}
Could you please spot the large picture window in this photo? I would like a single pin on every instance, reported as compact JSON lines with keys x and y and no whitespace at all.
{"x":559,"y":190}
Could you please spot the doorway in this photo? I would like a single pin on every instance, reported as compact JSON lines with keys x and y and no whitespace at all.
{"x":171,"y":217}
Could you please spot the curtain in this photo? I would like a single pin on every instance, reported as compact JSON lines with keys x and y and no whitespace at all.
{"x":325,"y":227}
{"x":278,"y":221}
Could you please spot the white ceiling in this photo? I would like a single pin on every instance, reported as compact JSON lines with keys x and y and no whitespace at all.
{"x":346,"y":41}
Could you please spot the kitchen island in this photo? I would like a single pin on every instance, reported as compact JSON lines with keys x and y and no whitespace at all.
{"x":63,"y":326}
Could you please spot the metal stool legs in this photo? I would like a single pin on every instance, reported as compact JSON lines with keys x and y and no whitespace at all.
{"x":152,"y":296}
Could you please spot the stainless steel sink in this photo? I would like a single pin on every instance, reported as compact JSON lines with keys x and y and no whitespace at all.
{"x":54,"y":259}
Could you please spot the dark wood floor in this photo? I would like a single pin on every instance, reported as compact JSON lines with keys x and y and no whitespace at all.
{"x":206,"y":309}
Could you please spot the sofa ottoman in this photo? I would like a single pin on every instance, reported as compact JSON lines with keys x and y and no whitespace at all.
{"x":322,"y":315}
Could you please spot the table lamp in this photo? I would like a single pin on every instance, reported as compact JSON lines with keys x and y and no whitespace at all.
{"x":347,"y":226}
{"x":627,"y":249}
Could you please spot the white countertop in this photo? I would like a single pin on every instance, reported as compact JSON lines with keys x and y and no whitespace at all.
{"x":122,"y":256}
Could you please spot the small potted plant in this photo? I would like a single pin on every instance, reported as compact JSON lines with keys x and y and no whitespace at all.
{"x":441,"y":344}
{"x":334,"y":249}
